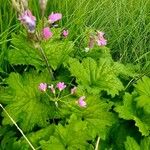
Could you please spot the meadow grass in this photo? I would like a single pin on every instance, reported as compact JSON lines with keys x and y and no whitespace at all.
{"x":125,"y":22}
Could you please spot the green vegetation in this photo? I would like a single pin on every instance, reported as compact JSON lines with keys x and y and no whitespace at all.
{"x":74,"y":92}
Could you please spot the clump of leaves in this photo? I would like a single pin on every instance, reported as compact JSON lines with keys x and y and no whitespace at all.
{"x":52,"y":116}
{"x":136,"y":106}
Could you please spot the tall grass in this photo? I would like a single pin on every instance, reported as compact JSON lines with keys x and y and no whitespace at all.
{"x":7,"y":26}
{"x":125,"y":22}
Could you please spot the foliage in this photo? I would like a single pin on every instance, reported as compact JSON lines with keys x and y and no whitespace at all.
{"x":61,"y":96}
{"x":27,"y":53}
{"x":27,"y":105}
{"x":136,"y":106}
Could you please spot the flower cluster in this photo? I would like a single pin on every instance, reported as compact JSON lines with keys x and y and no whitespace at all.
{"x":98,"y":39}
{"x":61,"y":86}
{"x":44,"y":86}
{"x":101,"y":41}
{"x":29,"y":21}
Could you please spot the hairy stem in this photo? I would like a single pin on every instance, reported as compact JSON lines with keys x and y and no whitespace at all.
{"x":17,"y":127}
{"x":46,"y":61}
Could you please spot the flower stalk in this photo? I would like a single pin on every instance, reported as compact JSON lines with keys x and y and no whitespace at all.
{"x":18,"y":127}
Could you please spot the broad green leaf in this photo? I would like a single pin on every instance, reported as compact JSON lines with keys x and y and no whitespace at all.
{"x":96,"y":115}
{"x":96,"y":77}
{"x":143,"y":90}
{"x":72,"y":136}
{"x":131,"y":144}
{"x":129,"y":111}
{"x":145,"y":143}
{"x":27,"y":105}
{"x":24,"y":52}
{"x":55,"y":50}
{"x":143,"y":86}
{"x":99,"y":52}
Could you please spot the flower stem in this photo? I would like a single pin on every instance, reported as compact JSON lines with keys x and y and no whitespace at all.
{"x":46,"y":61}
{"x":17,"y":127}
{"x":97,"y":143}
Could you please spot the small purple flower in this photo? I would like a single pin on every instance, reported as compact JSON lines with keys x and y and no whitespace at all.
{"x":73,"y":90}
{"x":28,"y":20}
{"x":47,"y":34}
{"x":81,"y":102}
{"x":61,"y":86}
{"x":100,"y":34}
{"x":101,"y":41}
{"x":52,"y":88}
{"x":43,"y":87}
{"x":65,"y":33}
{"x":53,"y":17}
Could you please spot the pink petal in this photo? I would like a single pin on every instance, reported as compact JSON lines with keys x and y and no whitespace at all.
{"x":53,"y":17}
{"x":65,"y":33}
{"x":43,"y":87}
{"x":81,"y":102}
{"x":61,"y":86}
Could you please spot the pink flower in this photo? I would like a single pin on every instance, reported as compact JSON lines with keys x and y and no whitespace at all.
{"x":28,"y":20}
{"x":61,"y":86}
{"x":101,"y":41}
{"x":100,"y":34}
{"x":81,"y":102}
{"x":52,"y":88}
{"x":73,"y":90}
{"x":47,"y":33}
{"x":53,"y":17}
{"x":65,"y":33}
{"x":43,"y":87}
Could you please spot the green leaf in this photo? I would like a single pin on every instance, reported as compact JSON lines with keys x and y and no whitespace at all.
{"x":131,"y":144}
{"x":129,"y":111}
{"x":57,"y":51}
{"x":143,"y":90}
{"x":143,"y":86}
{"x":24,"y":52}
{"x":99,"y":52}
{"x":118,"y":133}
{"x":73,"y":136}
{"x":145,"y":143}
{"x":7,"y":138}
{"x":27,"y":105}
{"x":96,"y":115}
{"x":96,"y":77}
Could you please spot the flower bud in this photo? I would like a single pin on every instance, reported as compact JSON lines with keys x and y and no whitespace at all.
{"x":81,"y":101}
{"x":25,"y":4}
{"x":47,"y":34}
{"x":65,"y":33}
{"x":28,"y":20}
{"x":43,"y":4}
{"x":16,"y":5}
